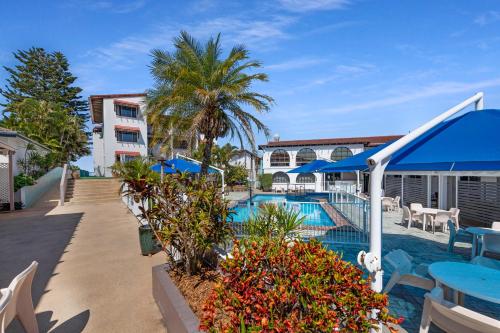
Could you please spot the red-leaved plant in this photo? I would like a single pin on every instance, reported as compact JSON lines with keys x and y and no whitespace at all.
{"x":291,"y":287}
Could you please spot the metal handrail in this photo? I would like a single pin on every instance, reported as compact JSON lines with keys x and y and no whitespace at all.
{"x":63,"y":184}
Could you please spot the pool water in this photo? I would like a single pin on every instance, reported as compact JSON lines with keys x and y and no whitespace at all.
{"x":305,"y":206}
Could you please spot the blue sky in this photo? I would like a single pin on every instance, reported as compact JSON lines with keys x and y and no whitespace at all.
{"x":337,"y":67}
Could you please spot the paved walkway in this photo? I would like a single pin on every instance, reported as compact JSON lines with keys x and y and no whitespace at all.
{"x":91,"y":276}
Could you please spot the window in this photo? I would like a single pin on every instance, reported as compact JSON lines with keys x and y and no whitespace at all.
{"x":470,"y":179}
{"x":123,"y":136}
{"x":306,"y":178}
{"x":341,"y":153}
{"x":124,"y":158}
{"x":304,"y":156}
{"x":280,"y":157}
{"x":126,"y":111}
{"x":281,"y":177}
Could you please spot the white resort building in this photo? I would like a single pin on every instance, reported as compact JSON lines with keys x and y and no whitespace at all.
{"x":121,"y":131}
{"x":279,"y":157}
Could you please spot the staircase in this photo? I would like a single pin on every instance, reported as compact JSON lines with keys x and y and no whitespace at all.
{"x":92,"y":190}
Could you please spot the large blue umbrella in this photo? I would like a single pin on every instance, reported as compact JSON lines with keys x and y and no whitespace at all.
{"x":312,"y":166}
{"x":178,"y":164}
{"x":469,"y":142}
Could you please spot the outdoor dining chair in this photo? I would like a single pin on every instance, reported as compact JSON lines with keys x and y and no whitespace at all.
{"x":405,"y":273}
{"x":440,"y":220}
{"x":491,"y":245}
{"x":455,"y":212}
{"x":395,"y":203}
{"x":454,"y":318}
{"x":457,"y":235}
{"x":6,"y":296}
{"x":486,"y":262}
{"x":495,"y":225}
{"x":415,"y":207}
{"x":21,"y":304}
{"x":410,"y":217}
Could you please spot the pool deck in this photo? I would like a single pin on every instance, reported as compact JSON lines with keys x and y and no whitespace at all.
{"x":426,"y":248}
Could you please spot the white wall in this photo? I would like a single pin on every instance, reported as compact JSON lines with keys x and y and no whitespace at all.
{"x":109,"y":142}
{"x":29,"y":195}
{"x":19,"y":145}
{"x":322,"y":152}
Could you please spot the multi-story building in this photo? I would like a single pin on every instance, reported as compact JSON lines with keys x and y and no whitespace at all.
{"x":279,"y":157}
{"x":120,"y":132}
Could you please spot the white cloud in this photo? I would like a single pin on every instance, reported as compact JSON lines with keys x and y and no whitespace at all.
{"x":432,"y":90}
{"x":118,"y":7}
{"x":313,"y":5}
{"x":295,"y":64}
{"x":487,"y":18}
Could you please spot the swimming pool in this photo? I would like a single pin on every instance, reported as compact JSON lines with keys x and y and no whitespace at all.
{"x":306,"y":206}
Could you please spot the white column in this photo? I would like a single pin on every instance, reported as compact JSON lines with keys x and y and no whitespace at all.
{"x":11,"y":181}
{"x":429,"y":190}
{"x":442,"y":189}
{"x":402,"y":190}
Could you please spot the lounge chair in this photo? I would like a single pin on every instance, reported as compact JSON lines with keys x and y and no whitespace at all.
{"x":440,"y":220}
{"x":486,"y":262}
{"x":21,"y":304}
{"x":491,"y":245}
{"x":410,"y":217}
{"x":454,"y":318}
{"x":405,"y":273}
{"x":5,"y":298}
{"x":457,"y":235}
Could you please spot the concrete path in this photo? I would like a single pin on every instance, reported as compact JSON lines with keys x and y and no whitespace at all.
{"x":91,"y":276}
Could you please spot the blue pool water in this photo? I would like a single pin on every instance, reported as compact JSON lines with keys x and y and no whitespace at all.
{"x":305,"y":206}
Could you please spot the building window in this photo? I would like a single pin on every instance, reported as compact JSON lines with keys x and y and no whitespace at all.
{"x":281,"y":177}
{"x":280,"y":157}
{"x":124,"y":158}
{"x":341,"y":153}
{"x":304,"y":156}
{"x":124,"y":136}
{"x":126,"y":111}
{"x":306,"y":178}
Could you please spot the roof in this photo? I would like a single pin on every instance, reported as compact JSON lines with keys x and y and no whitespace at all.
{"x":469,"y":142}
{"x":96,"y":102}
{"x":370,"y":141}
{"x":8,"y":133}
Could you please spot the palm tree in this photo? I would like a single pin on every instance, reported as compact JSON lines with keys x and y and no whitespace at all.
{"x":195,"y":84}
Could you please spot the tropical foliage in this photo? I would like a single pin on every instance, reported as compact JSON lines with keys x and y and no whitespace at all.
{"x":22,"y":180}
{"x":236,"y":175}
{"x":273,"y":222}
{"x":190,"y":217}
{"x":221,"y":155}
{"x":272,"y":286}
{"x":197,"y":87}
{"x":266,"y":181}
{"x":42,"y":103}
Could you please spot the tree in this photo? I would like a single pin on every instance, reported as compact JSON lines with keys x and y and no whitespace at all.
{"x":221,"y":156}
{"x":42,"y":103}
{"x":195,"y":83}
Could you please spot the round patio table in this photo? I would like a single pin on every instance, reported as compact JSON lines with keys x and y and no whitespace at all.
{"x":474,"y":280}
{"x":479,"y":232}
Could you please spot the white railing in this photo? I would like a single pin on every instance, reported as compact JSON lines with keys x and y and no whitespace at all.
{"x":63,"y":184}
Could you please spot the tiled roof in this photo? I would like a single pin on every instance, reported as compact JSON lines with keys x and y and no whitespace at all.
{"x":365,"y":140}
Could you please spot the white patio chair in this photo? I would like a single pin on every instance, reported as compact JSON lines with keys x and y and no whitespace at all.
{"x":486,"y":262}
{"x":414,"y":207}
{"x":495,"y":225}
{"x":440,"y":220}
{"x":491,"y":245}
{"x":21,"y":305}
{"x":454,"y":318}
{"x":387,"y":204}
{"x":455,"y":212}
{"x":405,"y":273}
{"x":395,"y":203}
{"x":410,"y":217}
{"x":6,"y":296}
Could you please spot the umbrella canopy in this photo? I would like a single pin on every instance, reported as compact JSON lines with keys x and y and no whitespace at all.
{"x":469,"y":142}
{"x":178,"y":164}
{"x":312,"y":166}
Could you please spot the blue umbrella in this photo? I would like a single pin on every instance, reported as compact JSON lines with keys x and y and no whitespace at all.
{"x":312,"y":166}
{"x":178,"y":164}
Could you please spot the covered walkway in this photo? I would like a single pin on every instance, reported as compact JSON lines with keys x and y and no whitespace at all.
{"x":91,"y":276}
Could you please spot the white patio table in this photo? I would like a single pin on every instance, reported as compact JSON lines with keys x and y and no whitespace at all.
{"x":479,"y":232}
{"x":464,"y":278}
{"x":428,"y":211}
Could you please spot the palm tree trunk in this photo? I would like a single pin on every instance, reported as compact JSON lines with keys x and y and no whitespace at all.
{"x":207,"y":155}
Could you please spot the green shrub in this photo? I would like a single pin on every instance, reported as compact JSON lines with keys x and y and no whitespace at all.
{"x":236,"y":175}
{"x":273,"y":222}
{"x":291,"y":287}
{"x":22,"y":180}
{"x":266,"y":181}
